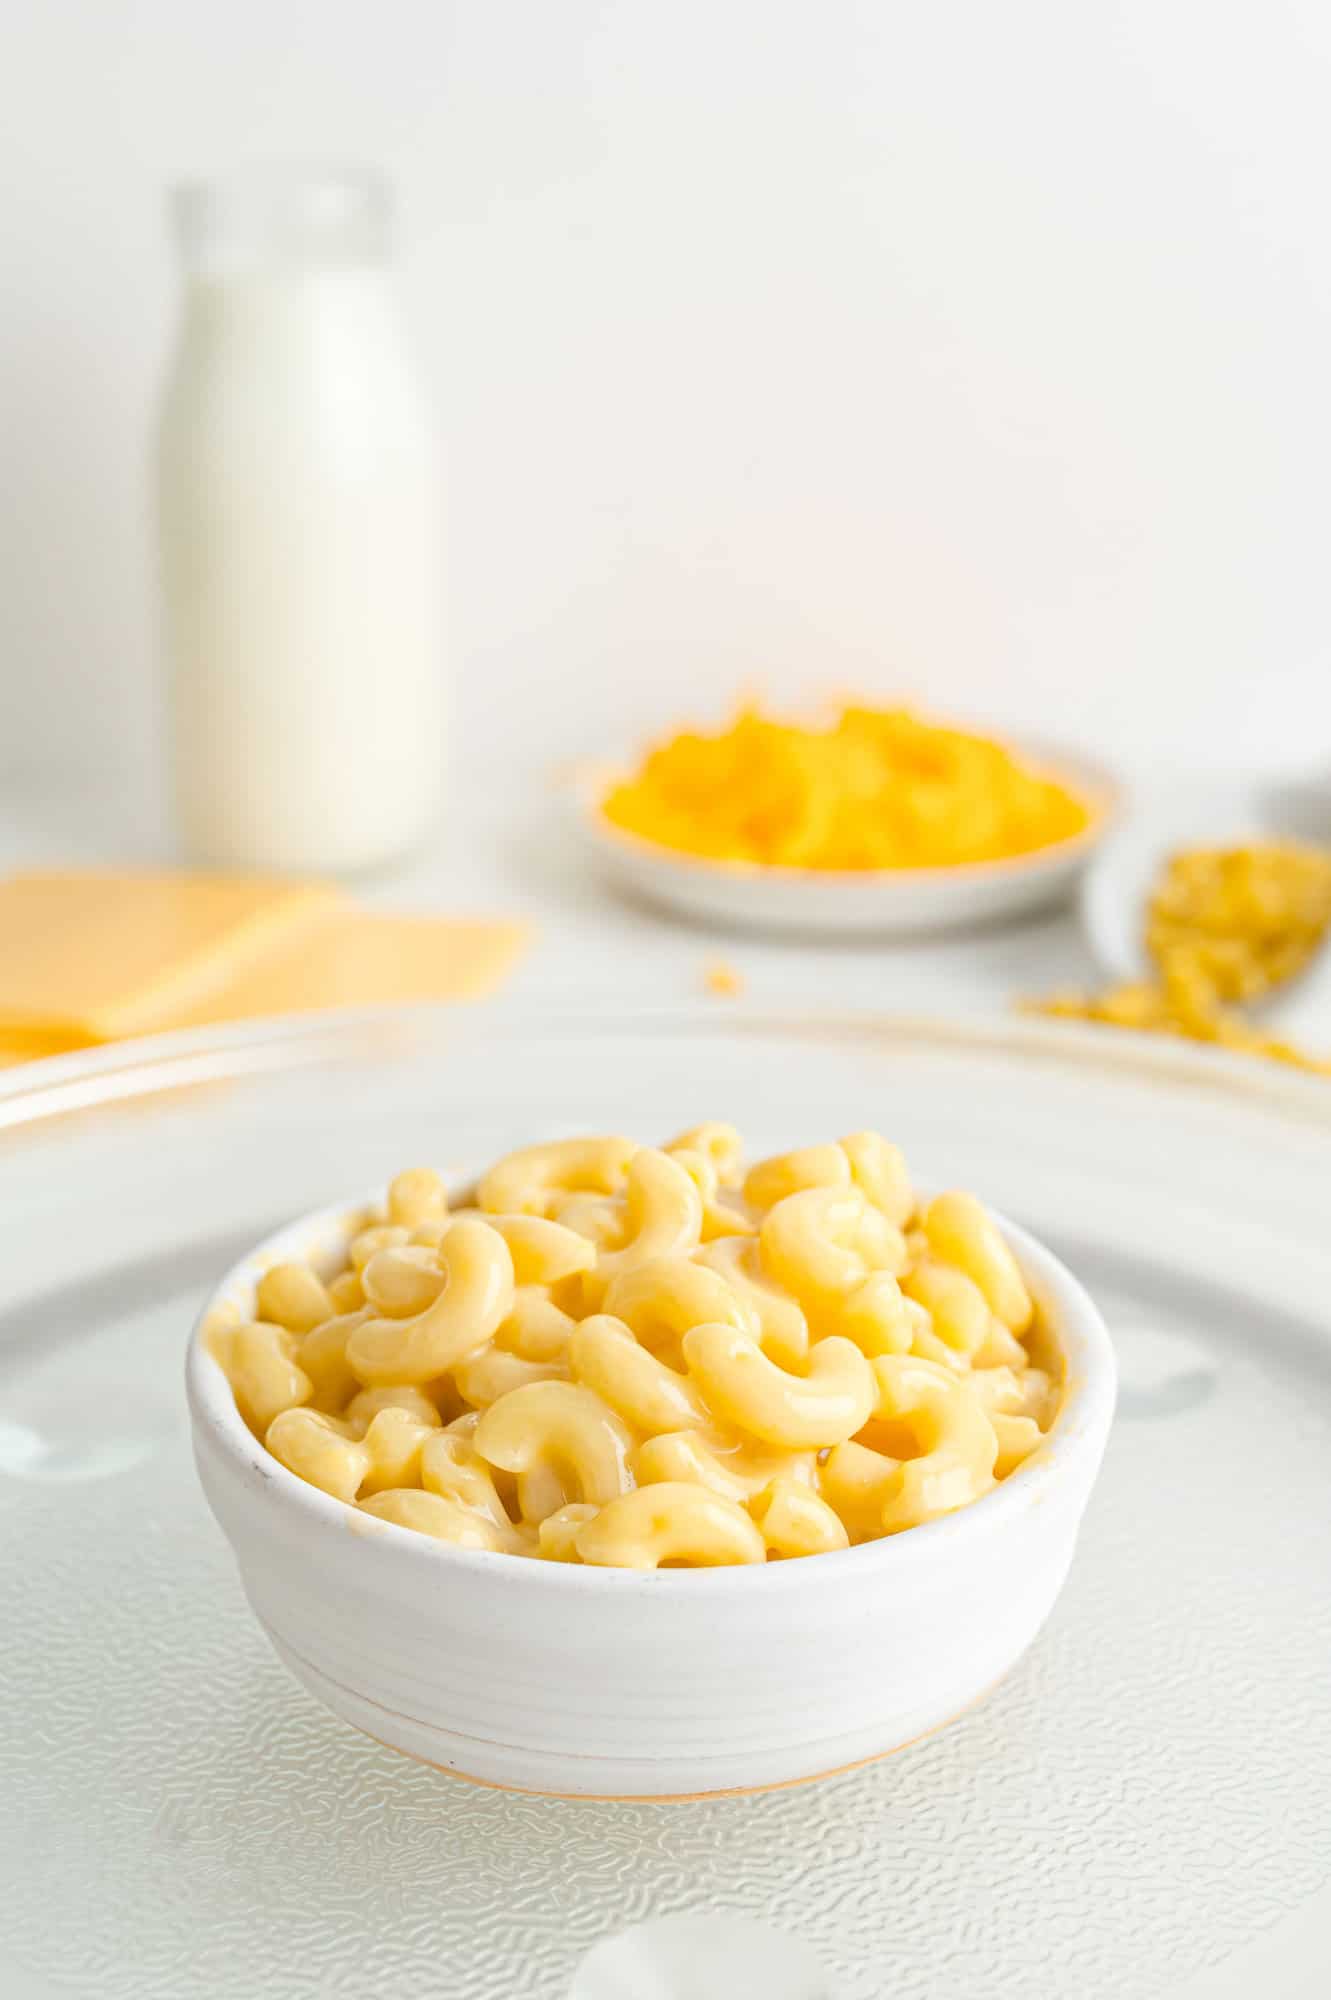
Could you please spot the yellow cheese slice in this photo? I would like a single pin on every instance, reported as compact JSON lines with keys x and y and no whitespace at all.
{"x":358,"y":958}
{"x":92,"y":955}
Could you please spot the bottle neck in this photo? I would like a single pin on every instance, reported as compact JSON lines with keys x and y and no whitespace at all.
{"x":278,"y":224}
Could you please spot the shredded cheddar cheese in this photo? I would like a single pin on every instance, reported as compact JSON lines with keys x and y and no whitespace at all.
{"x":723,"y":979}
{"x":1223,"y":926}
{"x":874,"y":788}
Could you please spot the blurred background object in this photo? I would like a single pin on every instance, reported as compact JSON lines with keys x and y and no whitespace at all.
{"x":98,"y":955}
{"x":300,"y":535}
{"x":848,"y":821}
{"x":958,"y":360}
{"x":971,"y":355}
{"x":1221,"y":944}
{"x":850,"y":788}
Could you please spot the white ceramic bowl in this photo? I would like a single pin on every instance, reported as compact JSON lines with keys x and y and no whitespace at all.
{"x":553,"y":1677}
{"x":870,"y":902}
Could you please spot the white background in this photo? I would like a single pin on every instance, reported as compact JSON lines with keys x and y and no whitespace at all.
{"x":974,"y":350}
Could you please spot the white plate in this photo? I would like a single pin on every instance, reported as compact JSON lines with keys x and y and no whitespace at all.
{"x":1143,"y":1809}
{"x":882,"y":902}
{"x":1118,"y":884}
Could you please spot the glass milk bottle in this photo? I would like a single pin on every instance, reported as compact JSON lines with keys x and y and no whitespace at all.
{"x":299,"y":535}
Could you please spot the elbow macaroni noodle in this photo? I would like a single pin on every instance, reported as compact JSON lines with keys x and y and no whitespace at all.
{"x":632,"y":1356}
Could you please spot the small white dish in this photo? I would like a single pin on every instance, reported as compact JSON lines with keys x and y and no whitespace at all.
{"x":610,"y":1683}
{"x":879,"y":902}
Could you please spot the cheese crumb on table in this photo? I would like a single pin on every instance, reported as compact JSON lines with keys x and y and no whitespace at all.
{"x":723,"y":979}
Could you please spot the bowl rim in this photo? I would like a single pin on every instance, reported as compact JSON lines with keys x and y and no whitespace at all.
{"x":1074,"y":1440}
{"x":1102,"y":792}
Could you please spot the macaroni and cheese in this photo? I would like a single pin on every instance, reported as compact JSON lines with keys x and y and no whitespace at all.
{"x":639,"y":1356}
